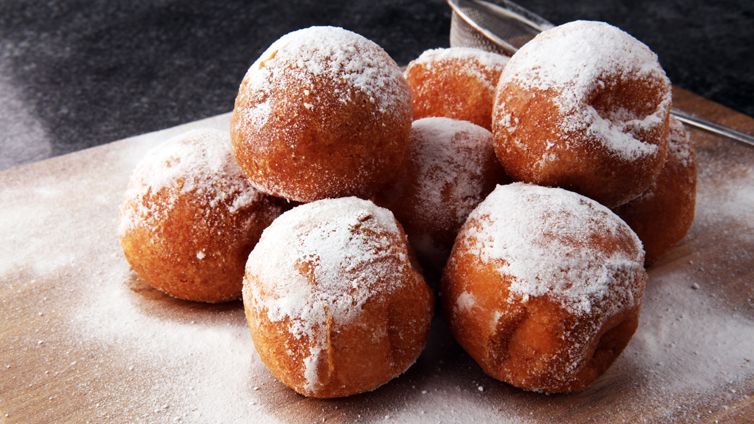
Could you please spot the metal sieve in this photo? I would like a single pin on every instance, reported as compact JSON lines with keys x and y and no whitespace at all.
{"x":502,"y":26}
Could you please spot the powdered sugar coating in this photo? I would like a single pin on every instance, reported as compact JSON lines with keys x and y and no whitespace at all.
{"x":680,"y":156}
{"x":577,"y":54}
{"x":663,"y":214}
{"x":317,"y":266}
{"x":323,"y":113}
{"x":451,"y":154}
{"x":480,"y":59}
{"x":324,"y":52}
{"x":451,"y":167}
{"x":577,"y":60}
{"x":583,"y":106}
{"x":680,"y":148}
{"x":548,"y":241}
{"x":198,"y":162}
{"x":346,"y":264}
{"x":190,"y":217}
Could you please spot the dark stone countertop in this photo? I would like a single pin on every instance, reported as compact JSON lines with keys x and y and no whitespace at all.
{"x":75,"y":73}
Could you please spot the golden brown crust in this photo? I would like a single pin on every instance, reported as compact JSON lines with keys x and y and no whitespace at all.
{"x":189,"y":236}
{"x":582,"y":163}
{"x":544,"y":339}
{"x":662,"y":215}
{"x":343,"y":332}
{"x":456,"y":83}
{"x":379,"y":345}
{"x":531,"y":345}
{"x":597,"y":123}
{"x":338,"y":130}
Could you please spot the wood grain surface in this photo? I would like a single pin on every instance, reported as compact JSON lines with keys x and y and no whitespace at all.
{"x":83,"y":339}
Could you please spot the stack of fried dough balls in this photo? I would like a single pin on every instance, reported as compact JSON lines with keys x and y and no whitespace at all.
{"x":333,"y":293}
{"x":586,"y":107}
{"x":450,"y":162}
{"x":544,"y":284}
{"x":333,"y":151}
{"x":190,"y":218}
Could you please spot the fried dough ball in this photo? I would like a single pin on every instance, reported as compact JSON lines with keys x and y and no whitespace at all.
{"x":543,"y":287}
{"x":323,"y":113}
{"x":190,"y":217}
{"x":662,"y":215}
{"x":450,"y":167}
{"x":584,"y":106}
{"x":455,"y":82}
{"x":334,"y":299}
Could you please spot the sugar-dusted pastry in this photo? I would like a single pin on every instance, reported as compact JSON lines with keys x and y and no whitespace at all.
{"x":190,"y":217}
{"x":663,"y":214}
{"x":334,"y":298}
{"x":450,"y":167}
{"x":543,"y":287}
{"x":584,"y":106}
{"x":455,"y":82}
{"x":324,"y":112}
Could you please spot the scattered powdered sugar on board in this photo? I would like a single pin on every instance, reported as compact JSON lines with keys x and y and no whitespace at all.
{"x":693,"y":353}
{"x":84,"y":340}
{"x":545,"y":238}
{"x":679,"y":352}
{"x":734,"y":199}
{"x":90,"y":342}
{"x":192,"y":383}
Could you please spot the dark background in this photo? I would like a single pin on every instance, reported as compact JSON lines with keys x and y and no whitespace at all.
{"x":76,"y":73}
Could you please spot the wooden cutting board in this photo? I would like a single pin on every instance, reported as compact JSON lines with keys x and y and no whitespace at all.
{"x":83,"y":339}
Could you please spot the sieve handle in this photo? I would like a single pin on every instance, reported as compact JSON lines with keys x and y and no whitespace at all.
{"x":712,"y":127}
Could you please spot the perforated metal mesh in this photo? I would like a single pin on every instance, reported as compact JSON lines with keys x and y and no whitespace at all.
{"x":498,"y":26}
